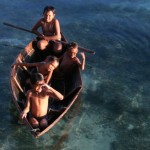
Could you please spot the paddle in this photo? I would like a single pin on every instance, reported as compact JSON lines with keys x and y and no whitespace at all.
{"x":23,"y":29}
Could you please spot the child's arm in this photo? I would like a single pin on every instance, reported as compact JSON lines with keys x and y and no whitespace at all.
{"x":27,"y":108}
{"x":82,"y":63}
{"x":27,"y":64}
{"x":48,"y":77}
{"x":52,"y":92}
{"x":35,"y":29}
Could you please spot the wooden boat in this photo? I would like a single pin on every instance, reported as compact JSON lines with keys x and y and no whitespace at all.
{"x":69,"y":86}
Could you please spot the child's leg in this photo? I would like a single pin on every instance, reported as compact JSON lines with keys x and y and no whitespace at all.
{"x":43,"y":123}
{"x":34,"y":122}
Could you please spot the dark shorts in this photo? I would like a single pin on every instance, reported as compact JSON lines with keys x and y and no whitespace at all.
{"x":50,"y":50}
{"x":37,"y":118}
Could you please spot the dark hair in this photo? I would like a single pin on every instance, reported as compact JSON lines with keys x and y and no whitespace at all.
{"x":36,"y":77}
{"x":49,"y":8}
{"x":52,"y":59}
{"x":72,"y":45}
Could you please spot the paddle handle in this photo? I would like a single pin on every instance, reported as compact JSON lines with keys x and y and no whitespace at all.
{"x":80,"y":48}
{"x":23,"y":29}
{"x":20,"y":28}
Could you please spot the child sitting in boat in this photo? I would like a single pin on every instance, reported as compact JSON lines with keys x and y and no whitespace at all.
{"x":51,"y":30}
{"x":46,"y":67}
{"x":37,"y":101}
{"x":69,"y":59}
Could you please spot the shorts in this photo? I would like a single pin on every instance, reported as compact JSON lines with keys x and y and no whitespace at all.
{"x":37,"y":118}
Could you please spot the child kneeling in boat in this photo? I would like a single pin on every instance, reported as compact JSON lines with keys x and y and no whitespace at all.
{"x":51,"y":34}
{"x":37,"y":101}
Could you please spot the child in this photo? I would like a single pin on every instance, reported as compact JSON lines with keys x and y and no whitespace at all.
{"x":37,"y":101}
{"x":69,"y":59}
{"x":50,"y":28}
{"x":46,"y":67}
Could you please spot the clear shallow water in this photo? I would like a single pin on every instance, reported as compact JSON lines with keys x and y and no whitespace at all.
{"x":112,"y":112}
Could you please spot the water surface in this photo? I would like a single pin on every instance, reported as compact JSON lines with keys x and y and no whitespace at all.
{"x":112,"y":111}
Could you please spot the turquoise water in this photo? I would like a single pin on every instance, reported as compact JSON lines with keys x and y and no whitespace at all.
{"x":112,"y":111}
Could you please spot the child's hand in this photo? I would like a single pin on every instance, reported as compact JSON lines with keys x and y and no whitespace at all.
{"x":75,"y":59}
{"x":45,"y":86}
{"x":82,"y":55}
{"x":23,"y":115}
{"x":13,"y":65}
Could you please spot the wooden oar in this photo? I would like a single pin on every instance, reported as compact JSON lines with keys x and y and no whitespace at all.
{"x":20,"y":28}
{"x":23,"y":29}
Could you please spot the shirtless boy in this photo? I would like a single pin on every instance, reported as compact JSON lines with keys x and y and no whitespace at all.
{"x":37,"y":101}
{"x":69,"y":59}
{"x":51,"y":30}
{"x":46,"y":67}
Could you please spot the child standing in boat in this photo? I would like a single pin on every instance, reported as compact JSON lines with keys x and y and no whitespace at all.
{"x":46,"y":67}
{"x":69,"y":60}
{"x":51,"y":30}
{"x":37,"y":101}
